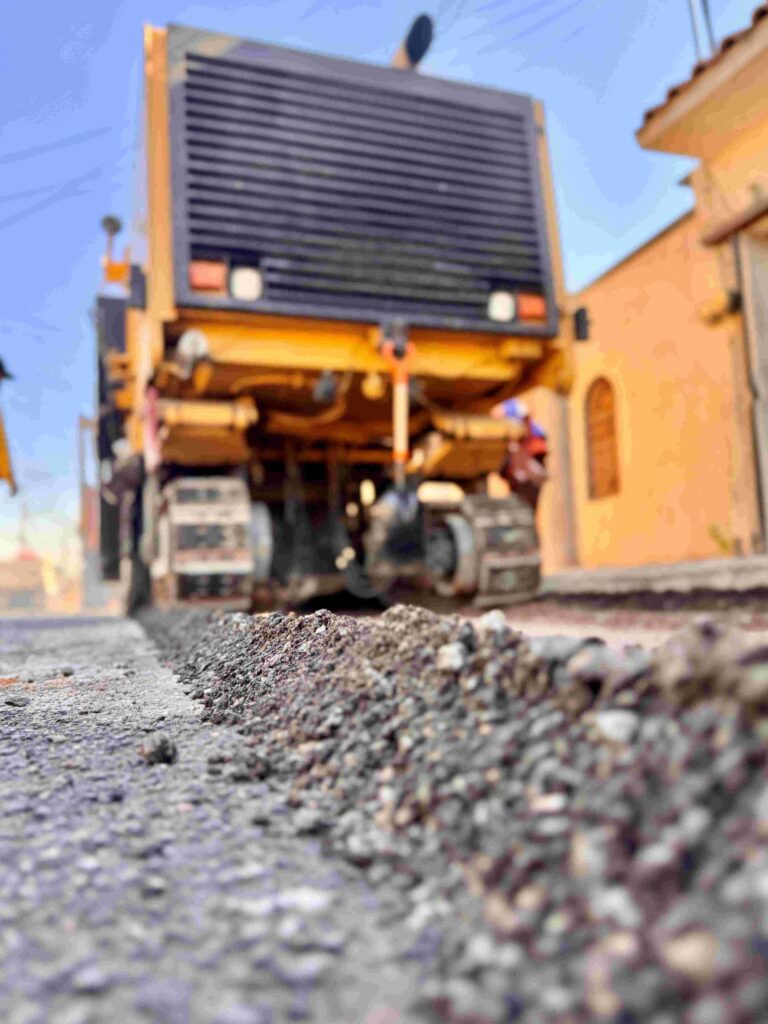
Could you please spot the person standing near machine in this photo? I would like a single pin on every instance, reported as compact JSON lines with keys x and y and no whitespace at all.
{"x":524,"y":467}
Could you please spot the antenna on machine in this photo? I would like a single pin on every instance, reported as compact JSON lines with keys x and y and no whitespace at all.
{"x":415,"y":45}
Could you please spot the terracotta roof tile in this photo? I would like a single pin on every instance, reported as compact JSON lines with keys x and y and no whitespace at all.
{"x":703,"y":65}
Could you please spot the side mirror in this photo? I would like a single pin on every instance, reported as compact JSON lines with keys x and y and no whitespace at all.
{"x":581,"y":324}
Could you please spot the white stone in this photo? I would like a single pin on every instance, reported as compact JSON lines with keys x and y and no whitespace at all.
{"x":451,"y":657}
{"x":492,"y":622}
{"x":615,"y":903}
{"x":548,"y":803}
{"x":617,"y":726}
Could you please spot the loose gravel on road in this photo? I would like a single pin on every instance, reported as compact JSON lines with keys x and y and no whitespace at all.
{"x":581,"y":832}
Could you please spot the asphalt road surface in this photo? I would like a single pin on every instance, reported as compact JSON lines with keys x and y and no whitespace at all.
{"x":404,"y":819}
{"x":135,"y":892}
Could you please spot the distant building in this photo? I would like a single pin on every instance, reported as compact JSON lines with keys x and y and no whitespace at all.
{"x":93,"y":590}
{"x":663,"y":455}
{"x":22,"y":584}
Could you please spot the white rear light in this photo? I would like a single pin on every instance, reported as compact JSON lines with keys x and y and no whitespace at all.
{"x":501,"y":307}
{"x":246,"y":284}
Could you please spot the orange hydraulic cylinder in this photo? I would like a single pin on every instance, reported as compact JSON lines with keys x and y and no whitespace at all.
{"x":400,"y":409}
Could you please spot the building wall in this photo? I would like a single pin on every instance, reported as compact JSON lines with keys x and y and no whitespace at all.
{"x":686,"y":481}
{"x":733,"y":179}
{"x":22,"y":585}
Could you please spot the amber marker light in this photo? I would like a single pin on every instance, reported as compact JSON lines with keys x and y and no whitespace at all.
{"x":531,"y":307}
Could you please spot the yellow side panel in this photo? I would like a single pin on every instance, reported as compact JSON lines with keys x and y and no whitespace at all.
{"x":319,"y":345}
{"x":194,"y":446}
{"x":160,"y":279}
{"x":6,"y":469}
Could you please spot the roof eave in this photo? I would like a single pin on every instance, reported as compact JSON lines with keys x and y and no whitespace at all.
{"x":668,"y":127}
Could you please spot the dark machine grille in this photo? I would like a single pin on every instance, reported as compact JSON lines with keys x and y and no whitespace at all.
{"x":359,"y":192}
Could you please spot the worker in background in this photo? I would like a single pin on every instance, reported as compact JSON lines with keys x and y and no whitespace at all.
{"x":524,"y":467}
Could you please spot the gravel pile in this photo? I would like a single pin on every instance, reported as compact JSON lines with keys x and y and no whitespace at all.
{"x":605,"y":812}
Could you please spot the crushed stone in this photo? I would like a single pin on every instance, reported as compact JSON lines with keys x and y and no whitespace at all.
{"x":584,"y":829}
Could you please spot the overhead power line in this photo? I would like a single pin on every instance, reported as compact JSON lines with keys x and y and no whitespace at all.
{"x":708,"y":23}
{"x":550,"y":20}
{"x":532,"y":29}
{"x":491,"y":5}
{"x":456,"y":13}
{"x":314,"y":8}
{"x":30,"y":324}
{"x":27,"y":193}
{"x":520,"y":12}
{"x":586,"y":24}
{"x":560,"y":40}
{"x":52,"y":147}
{"x":694,"y":30}
{"x":69,"y":190}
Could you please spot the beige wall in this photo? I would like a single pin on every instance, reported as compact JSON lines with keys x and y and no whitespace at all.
{"x":683,"y":440}
{"x":734,"y":179}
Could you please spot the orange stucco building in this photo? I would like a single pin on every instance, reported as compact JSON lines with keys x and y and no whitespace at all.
{"x":662,"y":455}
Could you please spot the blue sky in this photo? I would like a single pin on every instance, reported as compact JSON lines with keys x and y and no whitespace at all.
{"x":72,"y":74}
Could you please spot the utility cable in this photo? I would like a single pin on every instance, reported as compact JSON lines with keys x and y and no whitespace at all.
{"x":532,"y":29}
{"x":520,"y":12}
{"x":52,"y":147}
{"x":69,"y":190}
{"x":587,"y":23}
{"x":546,"y":46}
{"x":492,"y":5}
{"x":27,"y":193}
{"x":315,"y":8}
{"x":457,"y":12}
{"x":708,"y":23}
{"x":549,"y":20}
{"x":695,"y":30}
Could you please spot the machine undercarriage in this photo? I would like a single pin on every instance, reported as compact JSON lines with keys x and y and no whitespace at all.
{"x":219,"y":540}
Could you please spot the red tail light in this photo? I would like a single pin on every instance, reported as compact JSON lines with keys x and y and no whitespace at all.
{"x":207,"y":276}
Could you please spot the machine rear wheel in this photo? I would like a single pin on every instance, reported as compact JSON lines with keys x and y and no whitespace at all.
{"x":485,"y":550}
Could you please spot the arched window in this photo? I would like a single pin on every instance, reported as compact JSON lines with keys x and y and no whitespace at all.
{"x":602,"y":452}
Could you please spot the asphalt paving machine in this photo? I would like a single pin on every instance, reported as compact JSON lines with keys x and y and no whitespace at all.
{"x":343,"y":268}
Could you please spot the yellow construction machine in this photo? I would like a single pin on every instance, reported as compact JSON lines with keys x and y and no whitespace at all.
{"x":6,"y":468}
{"x":345,"y":268}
